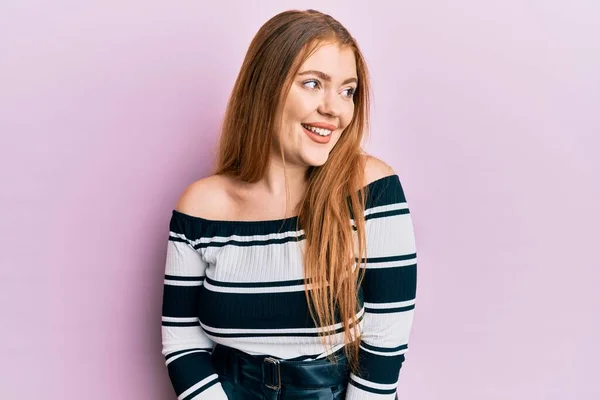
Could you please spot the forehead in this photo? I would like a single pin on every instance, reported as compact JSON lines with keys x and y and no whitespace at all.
{"x":337,"y":61}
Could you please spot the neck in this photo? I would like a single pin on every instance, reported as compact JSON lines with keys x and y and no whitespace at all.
{"x":273,"y":184}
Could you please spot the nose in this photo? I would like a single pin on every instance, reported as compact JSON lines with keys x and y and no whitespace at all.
{"x":329,"y":105}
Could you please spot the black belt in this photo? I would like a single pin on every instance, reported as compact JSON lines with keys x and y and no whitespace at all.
{"x":275,"y":375}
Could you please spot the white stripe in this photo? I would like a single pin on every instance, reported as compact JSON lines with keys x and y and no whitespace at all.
{"x":388,"y":207}
{"x":266,"y":331}
{"x":277,"y":289}
{"x":382,"y":306}
{"x":382,"y":386}
{"x":178,"y":319}
{"x":214,"y":392}
{"x":170,"y":360}
{"x":197,"y":386}
{"x":378,"y":209}
{"x":249,"y":238}
{"x":238,"y":238}
{"x":260,"y":290}
{"x":388,"y":330}
{"x":259,"y":343}
{"x":182,"y":283}
{"x":175,"y":338}
{"x":390,"y":264}
{"x":332,"y":350}
{"x":388,"y":354}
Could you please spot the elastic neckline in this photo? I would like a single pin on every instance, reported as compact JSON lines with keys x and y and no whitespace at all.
{"x":224,"y":221}
{"x":266,"y":222}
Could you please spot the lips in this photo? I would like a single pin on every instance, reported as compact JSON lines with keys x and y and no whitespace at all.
{"x":322,"y":125}
{"x":316,"y":137}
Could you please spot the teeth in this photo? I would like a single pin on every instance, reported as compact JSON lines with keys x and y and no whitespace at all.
{"x":318,"y":131}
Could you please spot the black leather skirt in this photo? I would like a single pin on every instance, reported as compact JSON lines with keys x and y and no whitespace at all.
{"x":246,"y":377}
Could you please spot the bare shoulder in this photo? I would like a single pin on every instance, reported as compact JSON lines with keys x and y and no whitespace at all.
{"x":205,"y":198}
{"x":376,"y":169}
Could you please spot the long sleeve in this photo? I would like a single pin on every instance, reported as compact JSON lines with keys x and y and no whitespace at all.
{"x":389,"y":289}
{"x":186,"y":348}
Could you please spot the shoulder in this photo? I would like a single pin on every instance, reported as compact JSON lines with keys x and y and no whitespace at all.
{"x":205,"y":198}
{"x":376,"y":169}
{"x":382,"y":191}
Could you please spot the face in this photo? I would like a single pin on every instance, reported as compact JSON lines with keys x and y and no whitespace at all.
{"x":319,"y":106}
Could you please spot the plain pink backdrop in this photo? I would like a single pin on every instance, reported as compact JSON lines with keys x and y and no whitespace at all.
{"x":488,"y":111}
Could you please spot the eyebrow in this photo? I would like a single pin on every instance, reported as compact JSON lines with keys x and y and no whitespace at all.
{"x":325,"y":77}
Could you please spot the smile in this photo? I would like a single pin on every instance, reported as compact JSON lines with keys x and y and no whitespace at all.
{"x":318,"y":131}
{"x":317,"y":135}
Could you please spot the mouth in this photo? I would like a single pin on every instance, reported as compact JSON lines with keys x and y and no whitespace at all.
{"x":318,"y":135}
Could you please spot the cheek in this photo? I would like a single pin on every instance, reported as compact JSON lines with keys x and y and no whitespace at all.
{"x":298,"y":105}
{"x":347,"y":115}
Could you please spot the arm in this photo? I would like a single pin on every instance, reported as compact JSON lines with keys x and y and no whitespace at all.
{"x":389,"y":289}
{"x":186,"y":348}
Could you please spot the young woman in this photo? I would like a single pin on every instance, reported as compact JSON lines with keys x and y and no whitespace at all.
{"x":291,"y":272}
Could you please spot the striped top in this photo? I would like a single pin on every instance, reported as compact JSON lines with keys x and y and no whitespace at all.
{"x":241,"y":284}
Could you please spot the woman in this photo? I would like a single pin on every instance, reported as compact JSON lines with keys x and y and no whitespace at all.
{"x":291,"y":272}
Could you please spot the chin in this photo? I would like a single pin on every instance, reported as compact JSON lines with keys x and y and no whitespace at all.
{"x":316,"y":160}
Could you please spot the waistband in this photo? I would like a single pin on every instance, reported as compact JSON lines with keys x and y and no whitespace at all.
{"x":275,"y":373}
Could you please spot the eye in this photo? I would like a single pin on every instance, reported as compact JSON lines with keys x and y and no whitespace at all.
{"x":312,"y":81}
{"x":351,"y":92}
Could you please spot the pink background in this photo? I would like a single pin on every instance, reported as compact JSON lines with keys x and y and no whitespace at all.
{"x":490,"y":114}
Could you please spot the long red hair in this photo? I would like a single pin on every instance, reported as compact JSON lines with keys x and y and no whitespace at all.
{"x":335,"y":191}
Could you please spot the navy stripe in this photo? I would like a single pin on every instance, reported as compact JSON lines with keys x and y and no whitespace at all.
{"x":285,"y":310}
{"x":294,"y":282}
{"x":195,"y":228}
{"x":389,"y":310}
{"x":375,"y":260}
{"x":385,"y":191}
{"x":177,"y":239}
{"x":180,"y":301}
{"x":384,"y":214}
{"x":338,"y":352}
{"x":184,"y":278}
{"x":176,"y":353}
{"x":303,"y":358}
{"x":190,"y":369}
{"x":202,"y":389}
{"x":371,"y":390}
{"x":383,"y":349}
{"x":380,"y":369}
{"x":390,"y":285}
{"x":180,"y":324}
{"x":265,"y":335}
{"x":277,"y":334}
{"x":250,"y":243}
{"x":273,"y":334}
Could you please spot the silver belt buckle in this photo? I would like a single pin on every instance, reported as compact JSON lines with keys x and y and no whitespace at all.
{"x":275,"y":362}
